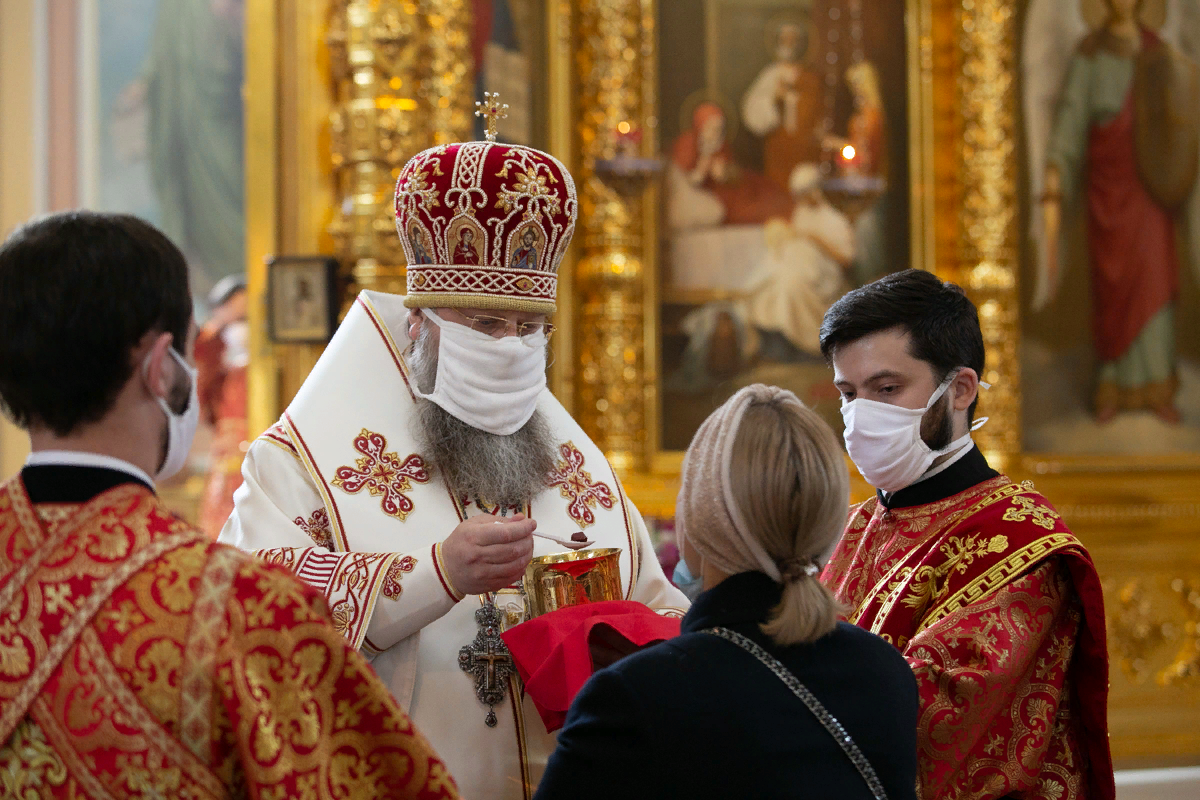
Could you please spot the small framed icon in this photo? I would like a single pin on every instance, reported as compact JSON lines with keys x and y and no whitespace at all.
{"x":302,"y":298}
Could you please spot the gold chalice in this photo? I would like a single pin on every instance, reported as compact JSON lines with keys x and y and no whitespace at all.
{"x":571,"y":579}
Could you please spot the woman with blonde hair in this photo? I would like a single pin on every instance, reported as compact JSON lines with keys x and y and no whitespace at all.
{"x":765,"y":693}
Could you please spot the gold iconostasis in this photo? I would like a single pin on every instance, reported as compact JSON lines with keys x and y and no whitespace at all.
{"x":740,"y":164}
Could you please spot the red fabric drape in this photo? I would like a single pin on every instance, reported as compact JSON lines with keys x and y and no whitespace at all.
{"x":553,"y":656}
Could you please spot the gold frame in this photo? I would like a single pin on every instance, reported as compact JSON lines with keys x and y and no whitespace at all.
{"x":288,"y":102}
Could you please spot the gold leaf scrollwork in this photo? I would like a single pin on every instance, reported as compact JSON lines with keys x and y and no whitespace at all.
{"x":1186,"y":665}
{"x":28,"y":763}
{"x":1142,"y":622}
{"x":393,"y":33}
{"x":1136,"y":630}
{"x":987,"y":218}
{"x":403,"y":78}
{"x":615,"y":37}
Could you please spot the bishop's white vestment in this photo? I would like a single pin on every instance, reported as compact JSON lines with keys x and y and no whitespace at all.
{"x":339,"y":491}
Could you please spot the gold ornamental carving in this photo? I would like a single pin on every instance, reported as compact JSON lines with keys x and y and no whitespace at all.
{"x":1146,"y":622}
{"x":1186,"y":665}
{"x":403,"y":78}
{"x":1137,"y":631}
{"x":988,"y":211}
{"x":448,"y":88}
{"x":615,"y":42}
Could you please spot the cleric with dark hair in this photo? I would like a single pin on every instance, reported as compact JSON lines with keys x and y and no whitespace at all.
{"x":95,"y":318}
{"x":974,"y":578}
{"x":942,"y":323}
{"x":78,"y":292}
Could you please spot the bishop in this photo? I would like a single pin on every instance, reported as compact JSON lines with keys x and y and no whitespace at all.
{"x":407,"y":475}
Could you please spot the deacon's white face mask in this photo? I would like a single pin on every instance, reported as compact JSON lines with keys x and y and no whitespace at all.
{"x":490,"y":384}
{"x":885,"y":441}
{"x":181,"y":428}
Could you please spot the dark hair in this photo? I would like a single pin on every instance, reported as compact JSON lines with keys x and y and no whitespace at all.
{"x":78,"y":291}
{"x":942,"y":323}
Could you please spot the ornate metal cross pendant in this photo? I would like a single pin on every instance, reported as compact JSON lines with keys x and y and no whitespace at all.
{"x":488,"y":659}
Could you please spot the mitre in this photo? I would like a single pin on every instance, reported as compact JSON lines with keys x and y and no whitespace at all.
{"x":484,"y":225}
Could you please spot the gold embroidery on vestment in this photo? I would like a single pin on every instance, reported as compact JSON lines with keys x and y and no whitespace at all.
{"x":1024,"y":507}
{"x":28,"y":762}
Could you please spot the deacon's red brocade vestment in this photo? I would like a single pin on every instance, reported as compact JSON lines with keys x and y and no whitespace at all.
{"x":140,"y":659}
{"x":998,"y":609}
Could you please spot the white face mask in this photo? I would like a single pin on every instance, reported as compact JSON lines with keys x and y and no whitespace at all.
{"x":181,"y":428}
{"x":885,"y":440}
{"x":490,"y":384}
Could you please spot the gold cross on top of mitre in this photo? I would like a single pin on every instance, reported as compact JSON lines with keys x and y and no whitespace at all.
{"x":491,"y":110}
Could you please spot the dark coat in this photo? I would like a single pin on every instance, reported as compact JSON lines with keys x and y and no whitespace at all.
{"x":697,"y":716}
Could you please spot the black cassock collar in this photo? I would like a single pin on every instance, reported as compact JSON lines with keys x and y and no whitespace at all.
{"x":70,"y":483}
{"x":970,"y":470}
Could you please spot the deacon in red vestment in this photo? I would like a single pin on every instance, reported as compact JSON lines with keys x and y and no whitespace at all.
{"x":974,"y":578}
{"x":138,"y":658}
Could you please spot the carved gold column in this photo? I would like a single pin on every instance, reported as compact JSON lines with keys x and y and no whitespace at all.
{"x":404,"y":81}
{"x":449,"y":91}
{"x":610,"y":379}
{"x":987,"y":219}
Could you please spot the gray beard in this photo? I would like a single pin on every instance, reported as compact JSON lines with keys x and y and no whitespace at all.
{"x":505,"y":470}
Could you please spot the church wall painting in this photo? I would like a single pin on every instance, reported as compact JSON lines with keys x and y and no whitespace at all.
{"x":161,"y":137}
{"x":784,"y":131}
{"x":1111,"y":255}
{"x":162,"y":123}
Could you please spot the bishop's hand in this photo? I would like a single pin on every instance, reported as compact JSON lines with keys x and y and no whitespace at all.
{"x":486,"y":553}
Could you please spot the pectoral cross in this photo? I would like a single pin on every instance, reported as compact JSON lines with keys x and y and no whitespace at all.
{"x":492,"y":111}
{"x":487,"y":658}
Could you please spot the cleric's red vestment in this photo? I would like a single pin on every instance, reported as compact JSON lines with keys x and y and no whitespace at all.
{"x":998,"y":609}
{"x":140,"y":659}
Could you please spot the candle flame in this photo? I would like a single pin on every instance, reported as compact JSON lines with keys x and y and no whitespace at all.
{"x":848,"y":152}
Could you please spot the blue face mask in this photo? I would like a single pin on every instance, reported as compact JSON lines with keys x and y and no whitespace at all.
{"x":685,"y":582}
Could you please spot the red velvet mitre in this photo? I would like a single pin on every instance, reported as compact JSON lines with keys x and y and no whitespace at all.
{"x":484,"y":225}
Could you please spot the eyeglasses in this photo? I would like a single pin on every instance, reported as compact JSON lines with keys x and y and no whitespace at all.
{"x":498,"y":327}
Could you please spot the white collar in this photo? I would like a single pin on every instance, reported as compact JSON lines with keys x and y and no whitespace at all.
{"x":79,"y":458}
{"x":949,"y":462}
